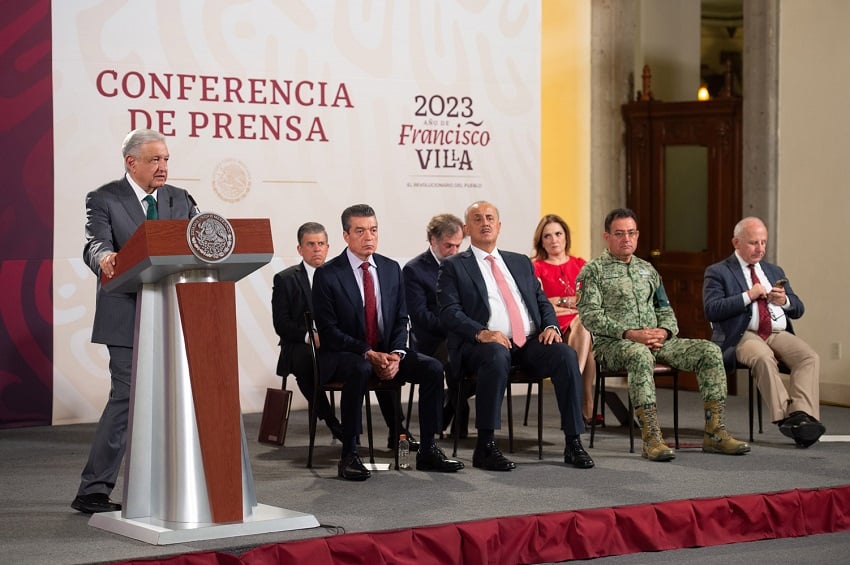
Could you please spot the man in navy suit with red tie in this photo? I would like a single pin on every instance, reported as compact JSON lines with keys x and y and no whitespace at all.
{"x":497,"y":316}
{"x":750,"y":305}
{"x":361,"y":314}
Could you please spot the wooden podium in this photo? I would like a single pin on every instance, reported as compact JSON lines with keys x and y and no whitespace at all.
{"x":187,"y":471}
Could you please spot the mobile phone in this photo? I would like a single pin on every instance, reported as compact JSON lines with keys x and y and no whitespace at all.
{"x":781,"y":283}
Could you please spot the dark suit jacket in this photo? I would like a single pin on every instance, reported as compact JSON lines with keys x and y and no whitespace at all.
{"x":291,"y":297}
{"x":464,"y":308}
{"x":420,"y":286}
{"x":339,"y":312}
{"x":724,"y":308}
{"x":112,"y":215}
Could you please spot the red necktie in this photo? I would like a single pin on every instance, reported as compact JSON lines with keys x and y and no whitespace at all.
{"x":513,"y":310}
{"x":765,"y":325}
{"x":373,"y":336}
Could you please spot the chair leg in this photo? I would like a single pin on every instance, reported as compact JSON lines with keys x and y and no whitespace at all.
{"x":597,"y":394}
{"x":510,"y":418}
{"x":539,"y":419}
{"x":676,"y":408}
{"x":313,"y":418}
{"x":758,"y":404}
{"x":631,"y":426}
{"x":527,"y":404}
{"x":409,"y":405}
{"x":455,"y":428}
{"x":396,"y":409}
{"x":750,"y":402}
{"x":369,"y":426}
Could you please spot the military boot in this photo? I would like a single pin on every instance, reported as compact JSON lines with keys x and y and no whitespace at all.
{"x":654,"y":447}
{"x":716,"y":439}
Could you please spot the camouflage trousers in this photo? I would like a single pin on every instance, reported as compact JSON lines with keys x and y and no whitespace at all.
{"x":697,"y":355}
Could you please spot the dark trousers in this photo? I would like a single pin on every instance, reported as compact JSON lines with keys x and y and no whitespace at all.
{"x":354,"y":371}
{"x":300,"y":363}
{"x":110,"y":437}
{"x":492,"y":362}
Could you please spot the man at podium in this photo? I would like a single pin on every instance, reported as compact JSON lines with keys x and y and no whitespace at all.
{"x":113,"y":212}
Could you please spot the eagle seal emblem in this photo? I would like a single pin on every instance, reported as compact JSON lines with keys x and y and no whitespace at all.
{"x":211,"y":237}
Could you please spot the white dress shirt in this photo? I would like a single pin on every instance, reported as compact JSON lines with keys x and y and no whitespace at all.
{"x":778,"y":322}
{"x":499,"y":320}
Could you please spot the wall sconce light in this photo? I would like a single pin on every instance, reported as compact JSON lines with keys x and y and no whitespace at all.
{"x":702,"y":94}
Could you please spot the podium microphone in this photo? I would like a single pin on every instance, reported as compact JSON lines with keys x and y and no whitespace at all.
{"x":195,"y":210}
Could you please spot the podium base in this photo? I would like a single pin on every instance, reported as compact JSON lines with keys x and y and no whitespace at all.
{"x":265,"y":519}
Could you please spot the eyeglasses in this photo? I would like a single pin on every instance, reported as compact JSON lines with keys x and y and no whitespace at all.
{"x":620,"y":234}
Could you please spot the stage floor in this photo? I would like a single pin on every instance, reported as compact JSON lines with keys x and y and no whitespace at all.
{"x":39,"y":473}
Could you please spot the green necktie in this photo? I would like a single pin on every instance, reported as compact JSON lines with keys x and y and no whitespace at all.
{"x":153,"y":214}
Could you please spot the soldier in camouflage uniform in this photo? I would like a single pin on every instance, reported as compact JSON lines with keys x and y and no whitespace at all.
{"x":621,"y":300}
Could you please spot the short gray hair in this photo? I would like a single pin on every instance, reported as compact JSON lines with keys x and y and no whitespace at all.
{"x":478,"y":204}
{"x":311,"y":228}
{"x":739,"y":227}
{"x":443,"y":225}
{"x":137,"y":138}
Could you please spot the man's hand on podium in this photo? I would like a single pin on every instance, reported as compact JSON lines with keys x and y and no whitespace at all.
{"x":107,"y":264}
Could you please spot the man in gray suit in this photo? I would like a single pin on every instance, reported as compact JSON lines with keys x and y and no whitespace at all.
{"x":113,"y":212}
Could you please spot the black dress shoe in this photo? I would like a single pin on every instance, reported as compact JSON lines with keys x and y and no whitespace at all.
{"x":575,"y":455}
{"x":94,"y":503}
{"x":336,"y":428}
{"x":808,"y":432}
{"x":490,"y":458}
{"x":793,"y":421}
{"x":805,"y":430}
{"x":433,"y":459}
{"x":351,"y":468}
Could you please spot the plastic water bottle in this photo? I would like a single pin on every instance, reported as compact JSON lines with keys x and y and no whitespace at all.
{"x":403,"y":452}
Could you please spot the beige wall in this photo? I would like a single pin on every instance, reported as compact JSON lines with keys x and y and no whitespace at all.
{"x":813,"y":196}
{"x":669,"y":42}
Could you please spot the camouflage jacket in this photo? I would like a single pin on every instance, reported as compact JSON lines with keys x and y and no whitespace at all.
{"x":614,"y":297}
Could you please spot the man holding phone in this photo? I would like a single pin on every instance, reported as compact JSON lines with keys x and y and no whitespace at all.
{"x":750,"y":306}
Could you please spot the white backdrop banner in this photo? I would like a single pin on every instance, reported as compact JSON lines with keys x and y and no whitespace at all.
{"x":291,"y":111}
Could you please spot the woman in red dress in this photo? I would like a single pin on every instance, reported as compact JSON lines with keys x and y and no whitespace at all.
{"x":557,"y":271}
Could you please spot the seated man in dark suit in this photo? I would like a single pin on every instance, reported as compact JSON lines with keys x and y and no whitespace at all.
{"x":361,"y":315}
{"x":445,"y":235}
{"x":497,"y":315}
{"x":291,"y":298}
{"x":750,"y":305}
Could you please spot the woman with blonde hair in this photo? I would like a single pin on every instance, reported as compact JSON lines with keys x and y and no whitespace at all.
{"x":557,"y":270}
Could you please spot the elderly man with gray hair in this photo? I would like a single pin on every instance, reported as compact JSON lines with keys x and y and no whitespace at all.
{"x":113,"y":212}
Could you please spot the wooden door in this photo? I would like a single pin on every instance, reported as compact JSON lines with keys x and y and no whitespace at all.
{"x":684,"y":183}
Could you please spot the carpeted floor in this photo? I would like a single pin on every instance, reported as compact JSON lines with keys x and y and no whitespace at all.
{"x":39,"y":472}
